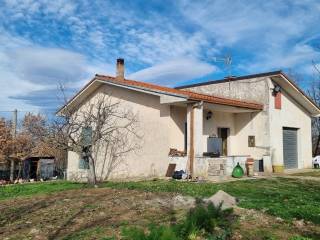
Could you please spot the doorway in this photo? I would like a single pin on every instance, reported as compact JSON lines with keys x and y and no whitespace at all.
{"x":223,"y":133}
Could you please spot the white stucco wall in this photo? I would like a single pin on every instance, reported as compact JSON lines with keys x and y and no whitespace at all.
{"x":266,"y":125}
{"x":242,"y":125}
{"x":160,"y":132}
{"x":178,"y":118}
{"x":162,"y":127}
{"x":219,"y":120}
{"x":290,"y":115}
{"x":247,"y":89}
{"x":252,"y":124}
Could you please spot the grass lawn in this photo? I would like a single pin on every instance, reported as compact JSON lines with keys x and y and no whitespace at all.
{"x":308,"y":174}
{"x":30,"y":189}
{"x":283,"y":197}
{"x":286,"y":198}
{"x":45,"y":211}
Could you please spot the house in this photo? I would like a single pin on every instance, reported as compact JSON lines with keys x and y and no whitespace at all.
{"x":216,"y":124}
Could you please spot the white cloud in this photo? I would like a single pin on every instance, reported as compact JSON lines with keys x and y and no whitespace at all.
{"x":159,"y":45}
{"x":26,"y":68}
{"x":270,"y":34}
{"x":299,"y":58}
{"x":104,"y":29}
{"x":174,"y":71}
{"x":60,"y":38}
{"x":232,"y":22}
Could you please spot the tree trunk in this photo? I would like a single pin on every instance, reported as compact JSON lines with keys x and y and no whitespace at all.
{"x":315,"y":152}
{"x":93,"y":171}
{"x":11,"y":170}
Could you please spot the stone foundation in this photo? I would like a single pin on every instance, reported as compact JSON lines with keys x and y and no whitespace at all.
{"x":206,"y":167}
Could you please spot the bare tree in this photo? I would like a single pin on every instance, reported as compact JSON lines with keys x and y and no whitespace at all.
{"x":7,"y":142}
{"x":102,"y":131}
{"x":314,"y":93}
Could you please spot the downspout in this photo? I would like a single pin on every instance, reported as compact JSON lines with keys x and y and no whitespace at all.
{"x":191,"y":150}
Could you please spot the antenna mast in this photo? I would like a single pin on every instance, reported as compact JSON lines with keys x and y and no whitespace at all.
{"x":227,"y":61}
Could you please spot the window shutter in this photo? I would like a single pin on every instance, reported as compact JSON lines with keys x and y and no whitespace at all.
{"x":83,"y":164}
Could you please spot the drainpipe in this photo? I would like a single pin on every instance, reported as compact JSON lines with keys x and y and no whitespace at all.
{"x":191,"y":150}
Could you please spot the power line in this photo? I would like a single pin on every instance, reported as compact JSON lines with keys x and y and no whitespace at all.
{"x":30,"y":111}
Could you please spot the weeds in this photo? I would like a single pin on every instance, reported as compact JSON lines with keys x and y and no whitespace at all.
{"x":31,"y":189}
{"x":286,"y":198}
{"x":201,"y":222}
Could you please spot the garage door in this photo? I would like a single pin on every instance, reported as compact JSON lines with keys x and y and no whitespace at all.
{"x":290,"y":148}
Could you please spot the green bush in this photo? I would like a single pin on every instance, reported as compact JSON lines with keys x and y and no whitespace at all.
{"x":154,"y":233}
{"x":209,"y":220}
{"x":205,"y":221}
{"x":299,"y":238}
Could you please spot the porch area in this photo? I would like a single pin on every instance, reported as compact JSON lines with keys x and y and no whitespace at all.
{"x":216,"y":138}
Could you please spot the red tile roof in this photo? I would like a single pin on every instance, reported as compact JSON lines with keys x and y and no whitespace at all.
{"x":190,"y":95}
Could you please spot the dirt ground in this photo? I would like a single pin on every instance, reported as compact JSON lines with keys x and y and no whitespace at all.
{"x":257,"y":225}
{"x":101,"y":213}
{"x":63,"y":215}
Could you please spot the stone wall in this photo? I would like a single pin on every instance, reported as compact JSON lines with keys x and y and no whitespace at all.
{"x":206,"y":167}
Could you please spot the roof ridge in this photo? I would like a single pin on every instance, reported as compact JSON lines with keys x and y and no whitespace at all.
{"x":243,"y":77}
{"x":135,"y":81}
{"x":190,"y":94}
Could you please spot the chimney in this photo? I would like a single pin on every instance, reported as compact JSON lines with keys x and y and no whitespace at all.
{"x":120,"y":69}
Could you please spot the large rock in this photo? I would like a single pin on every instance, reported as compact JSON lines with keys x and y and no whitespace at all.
{"x":227,"y":200}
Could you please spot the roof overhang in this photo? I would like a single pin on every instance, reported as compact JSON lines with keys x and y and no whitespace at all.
{"x":95,"y":83}
{"x":227,"y":109}
{"x":297,"y":94}
{"x":167,"y":95}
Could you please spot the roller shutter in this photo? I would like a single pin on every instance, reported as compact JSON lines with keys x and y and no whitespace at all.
{"x":290,"y":148}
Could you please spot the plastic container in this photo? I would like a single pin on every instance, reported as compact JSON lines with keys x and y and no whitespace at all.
{"x":237,"y":171}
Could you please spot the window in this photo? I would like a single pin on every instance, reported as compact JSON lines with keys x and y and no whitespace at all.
{"x":251,"y":141}
{"x":86,"y":136}
{"x":83,"y":163}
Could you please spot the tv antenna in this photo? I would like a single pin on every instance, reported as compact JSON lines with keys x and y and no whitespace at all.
{"x":227,"y":61}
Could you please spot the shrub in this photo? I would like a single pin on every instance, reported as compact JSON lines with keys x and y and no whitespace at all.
{"x":299,"y":238}
{"x":204,"y":221}
{"x":209,"y":220}
{"x":154,"y":233}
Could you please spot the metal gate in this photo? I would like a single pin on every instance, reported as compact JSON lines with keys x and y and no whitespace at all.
{"x":290,"y":148}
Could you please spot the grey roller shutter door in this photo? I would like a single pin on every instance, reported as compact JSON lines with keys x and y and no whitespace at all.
{"x":290,"y":148}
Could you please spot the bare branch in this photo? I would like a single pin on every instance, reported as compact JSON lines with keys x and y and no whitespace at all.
{"x":114,"y":132}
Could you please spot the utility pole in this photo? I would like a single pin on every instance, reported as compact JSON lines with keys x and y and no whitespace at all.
{"x":14,"y":134}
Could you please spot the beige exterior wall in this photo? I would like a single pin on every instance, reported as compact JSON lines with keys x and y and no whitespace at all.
{"x":266,"y":125}
{"x":246,"y":124}
{"x":247,"y":89}
{"x":290,"y":115}
{"x":219,"y":120}
{"x":160,"y":126}
{"x":178,"y":118}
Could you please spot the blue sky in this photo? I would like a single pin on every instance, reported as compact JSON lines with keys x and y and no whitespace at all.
{"x":46,"y":43}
